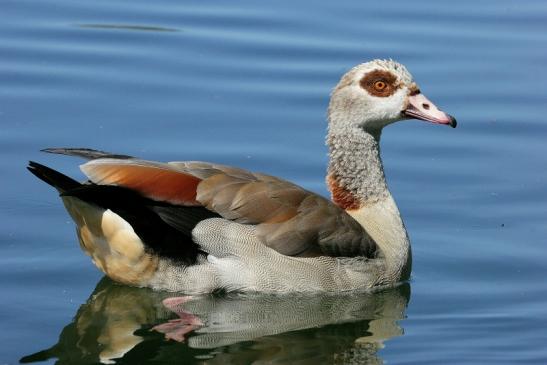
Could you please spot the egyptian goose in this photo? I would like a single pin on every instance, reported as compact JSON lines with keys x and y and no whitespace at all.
{"x":197,"y":227}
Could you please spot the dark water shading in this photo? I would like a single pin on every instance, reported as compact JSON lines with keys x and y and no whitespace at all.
{"x":247,"y":84}
{"x":142,"y":28}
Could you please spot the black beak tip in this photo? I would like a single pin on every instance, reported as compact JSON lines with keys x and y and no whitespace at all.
{"x":453,"y":123}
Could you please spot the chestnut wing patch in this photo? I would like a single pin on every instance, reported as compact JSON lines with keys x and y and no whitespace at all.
{"x":156,"y":181}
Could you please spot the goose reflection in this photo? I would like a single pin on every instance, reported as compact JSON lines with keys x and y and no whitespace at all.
{"x":120,"y":324}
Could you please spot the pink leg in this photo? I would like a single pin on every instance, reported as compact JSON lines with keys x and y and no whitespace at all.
{"x":176,"y":329}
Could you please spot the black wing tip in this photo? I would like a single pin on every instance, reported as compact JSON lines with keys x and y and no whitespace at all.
{"x":35,"y":166}
{"x":38,"y":356}
{"x":54,"y":178}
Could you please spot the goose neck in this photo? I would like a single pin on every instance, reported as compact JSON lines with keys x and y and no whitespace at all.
{"x":357,"y":183}
{"x":355,"y":173}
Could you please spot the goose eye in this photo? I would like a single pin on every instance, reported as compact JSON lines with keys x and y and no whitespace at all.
{"x":380,"y":85}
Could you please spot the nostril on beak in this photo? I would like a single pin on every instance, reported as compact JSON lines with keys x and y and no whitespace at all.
{"x":425,"y":106}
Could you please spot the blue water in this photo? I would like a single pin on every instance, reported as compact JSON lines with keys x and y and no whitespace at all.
{"x":247,"y":83}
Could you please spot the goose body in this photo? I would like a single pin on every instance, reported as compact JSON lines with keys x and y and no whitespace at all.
{"x":197,"y":227}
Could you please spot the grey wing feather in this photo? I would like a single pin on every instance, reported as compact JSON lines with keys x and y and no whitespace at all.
{"x":87,"y":153}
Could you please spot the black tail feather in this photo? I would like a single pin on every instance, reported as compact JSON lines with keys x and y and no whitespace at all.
{"x":87,"y":153}
{"x":54,"y":178}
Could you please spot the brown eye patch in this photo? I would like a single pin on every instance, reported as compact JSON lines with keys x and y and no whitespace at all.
{"x":380,"y":83}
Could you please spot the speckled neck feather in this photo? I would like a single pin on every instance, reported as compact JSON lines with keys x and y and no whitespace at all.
{"x":355,"y":174}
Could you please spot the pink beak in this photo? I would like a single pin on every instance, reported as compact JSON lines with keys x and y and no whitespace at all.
{"x":419,"y":107}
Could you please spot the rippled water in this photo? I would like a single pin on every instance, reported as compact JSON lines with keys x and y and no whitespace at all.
{"x":247,"y":83}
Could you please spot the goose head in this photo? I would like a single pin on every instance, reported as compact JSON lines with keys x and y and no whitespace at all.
{"x":380,"y":92}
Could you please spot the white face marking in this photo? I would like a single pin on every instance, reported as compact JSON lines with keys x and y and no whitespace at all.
{"x":352,"y":104}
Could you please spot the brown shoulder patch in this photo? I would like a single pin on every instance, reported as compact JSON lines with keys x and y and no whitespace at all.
{"x":341,"y":196}
{"x":380,"y":83}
